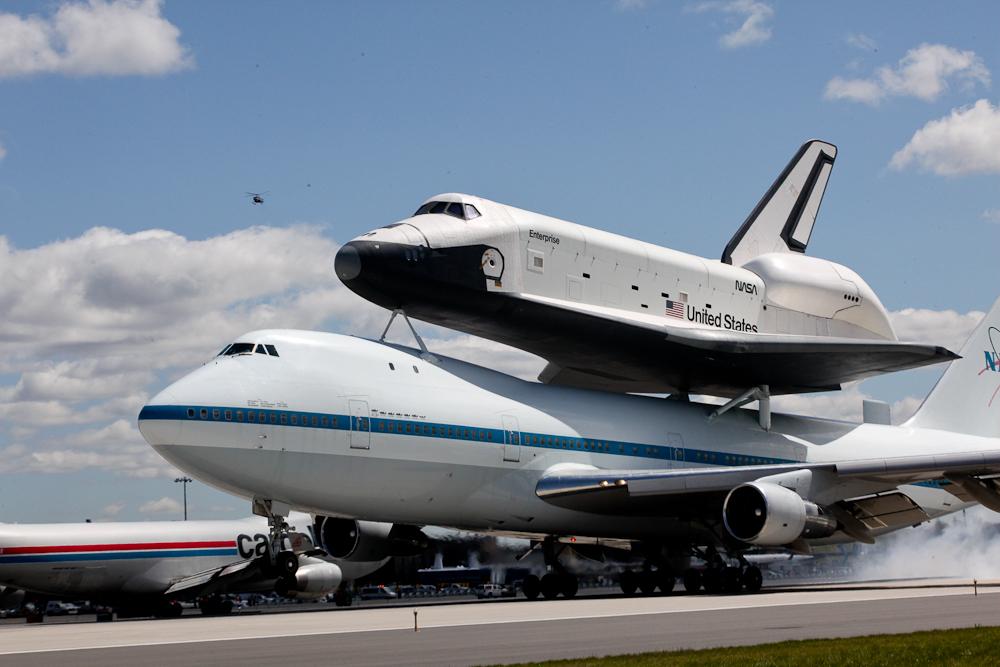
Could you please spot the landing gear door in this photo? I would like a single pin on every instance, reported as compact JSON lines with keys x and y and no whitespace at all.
{"x":360,"y":424}
{"x":511,"y":439}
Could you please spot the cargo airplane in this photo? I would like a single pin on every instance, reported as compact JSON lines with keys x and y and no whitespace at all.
{"x":362,"y":429}
{"x":147,"y":567}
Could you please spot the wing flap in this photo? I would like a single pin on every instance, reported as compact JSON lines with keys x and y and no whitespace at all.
{"x":238,"y":571}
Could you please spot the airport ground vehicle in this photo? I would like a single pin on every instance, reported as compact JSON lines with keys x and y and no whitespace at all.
{"x":376,"y":593}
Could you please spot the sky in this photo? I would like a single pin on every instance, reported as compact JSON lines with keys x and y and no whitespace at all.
{"x":130,"y":131}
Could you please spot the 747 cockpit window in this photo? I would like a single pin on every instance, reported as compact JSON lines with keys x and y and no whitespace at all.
{"x":249,"y":348}
{"x":454,"y":209}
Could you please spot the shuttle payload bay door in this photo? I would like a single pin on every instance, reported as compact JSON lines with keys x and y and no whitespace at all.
{"x":511,"y":439}
{"x":360,"y":424}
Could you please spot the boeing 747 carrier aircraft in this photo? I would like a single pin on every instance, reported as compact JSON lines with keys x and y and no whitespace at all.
{"x":362,"y":429}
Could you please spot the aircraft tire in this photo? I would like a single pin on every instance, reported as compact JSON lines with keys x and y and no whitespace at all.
{"x":570,"y":585}
{"x":168,"y":609}
{"x":692,"y":580}
{"x":752,"y":579}
{"x":551,"y":586}
{"x":711,"y":579}
{"x":665,"y":580}
{"x":731,"y":580}
{"x":531,"y":587}
{"x":629,"y":582}
{"x":647,"y":583}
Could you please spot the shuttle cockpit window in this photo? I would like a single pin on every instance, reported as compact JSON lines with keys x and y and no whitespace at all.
{"x":454,"y":209}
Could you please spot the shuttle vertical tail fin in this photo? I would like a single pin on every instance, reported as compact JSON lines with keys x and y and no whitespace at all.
{"x":967,"y":397}
{"x":783,"y":219}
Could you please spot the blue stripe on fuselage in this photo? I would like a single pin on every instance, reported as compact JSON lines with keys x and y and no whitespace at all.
{"x":410,"y":427}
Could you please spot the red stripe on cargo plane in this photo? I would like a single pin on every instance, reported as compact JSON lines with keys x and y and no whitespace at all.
{"x":141,"y":546}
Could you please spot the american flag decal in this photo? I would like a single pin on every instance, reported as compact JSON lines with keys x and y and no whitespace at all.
{"x":675,"y":309}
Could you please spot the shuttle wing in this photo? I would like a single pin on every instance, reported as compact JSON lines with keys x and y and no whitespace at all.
{"x":616,"y":350}
{"x":699,"y":491}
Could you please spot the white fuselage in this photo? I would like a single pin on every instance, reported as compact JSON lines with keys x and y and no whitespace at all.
{"x":124,"y":559}
{"x":540,"y":256}
{"x":345,"y":426}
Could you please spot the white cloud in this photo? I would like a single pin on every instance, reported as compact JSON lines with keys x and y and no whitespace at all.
{"x":755,"y":16}
{"x":967,"y":141}
{"x":164,"y":505}
{"x":861,"y":41}
{"x":940,"y":327}
{"x":991,"y":215}
{"x":924,"y":73}
{"x":93,"y":325}
{"x":99,"y":37}
{"x":112,"y":510}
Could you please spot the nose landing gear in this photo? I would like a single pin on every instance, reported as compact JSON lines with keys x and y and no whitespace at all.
{"x":280,"y":558}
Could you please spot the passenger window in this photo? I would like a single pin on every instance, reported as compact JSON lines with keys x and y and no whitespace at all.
{"x":471,"y":212}
{"x":415,"y":370}
{"x":274,"y":418}
{"x":215,"y":414}
{"x":229,"y":415}
{"x":272,"y":350}
{"x":251,"y":416}
{"x":190,"y":413}
{"x":315,"y":420}
{"x":239,"y":415}
{"x":325,"y":422}
{"x":284,"y":418}
{"x":204,"y":413}
{"x":295,"y":420}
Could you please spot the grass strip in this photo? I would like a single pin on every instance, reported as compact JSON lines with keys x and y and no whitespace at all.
{"x":967,"y":646}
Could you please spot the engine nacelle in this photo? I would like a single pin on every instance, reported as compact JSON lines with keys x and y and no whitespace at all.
{"x":771,"y":515}
{"x":363,"y":541}
{"x":315,"y":577}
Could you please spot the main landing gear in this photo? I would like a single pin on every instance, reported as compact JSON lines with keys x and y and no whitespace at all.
{"x":557,"y":581}
{"x":282,"y":561}
{"x":720,"y":577}
{"x":647,"y":581}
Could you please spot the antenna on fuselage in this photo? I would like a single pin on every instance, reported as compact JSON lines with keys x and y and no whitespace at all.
{"x":424,"y":352}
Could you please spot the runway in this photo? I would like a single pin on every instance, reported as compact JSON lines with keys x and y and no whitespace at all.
{"x":508,"y":631}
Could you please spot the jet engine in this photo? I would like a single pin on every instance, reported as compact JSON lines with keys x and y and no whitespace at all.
{"x":363,"y":541}
{"x":767,"y":514}
{"x":315,"y":577}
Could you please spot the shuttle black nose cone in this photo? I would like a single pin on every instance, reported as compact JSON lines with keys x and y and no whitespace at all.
{"x":347,"y":263}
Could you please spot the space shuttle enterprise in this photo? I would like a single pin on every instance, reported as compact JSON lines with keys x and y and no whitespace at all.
{"x":616,"y":314}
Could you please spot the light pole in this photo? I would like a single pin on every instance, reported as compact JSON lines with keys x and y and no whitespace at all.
{"x":185,"y":481}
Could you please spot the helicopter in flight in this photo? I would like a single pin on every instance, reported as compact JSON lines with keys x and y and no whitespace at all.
{"x":256,"y":197}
